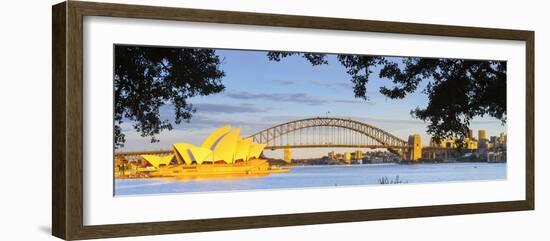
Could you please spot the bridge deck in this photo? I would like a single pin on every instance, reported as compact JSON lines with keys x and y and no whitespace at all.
{"x":333,"y":146}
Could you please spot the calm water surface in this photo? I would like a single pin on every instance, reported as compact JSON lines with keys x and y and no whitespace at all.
{"x":321,"y":176}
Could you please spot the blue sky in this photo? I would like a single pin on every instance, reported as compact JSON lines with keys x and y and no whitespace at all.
{"x":261,"y":93}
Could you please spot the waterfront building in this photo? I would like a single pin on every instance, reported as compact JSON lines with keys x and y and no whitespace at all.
{"x":492,"y":149}
{"x":470,"y":143}
{"x":332,"y":155}
{"x":496,"y":156}
{"x":494,"y":141}
{"x":452,"y":143}
{"x":347,"y":156}
{"x":223,"y":146}
{"x":224,"y":153}
{"x":482,"y":143}
{"x":358,"y":155}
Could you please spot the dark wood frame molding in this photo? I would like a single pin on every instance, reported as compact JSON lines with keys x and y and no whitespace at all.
{"x":67,"y":137}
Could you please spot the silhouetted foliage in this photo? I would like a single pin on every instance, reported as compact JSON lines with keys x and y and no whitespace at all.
{"x":458,"y":90}
{"x":146,"y":78}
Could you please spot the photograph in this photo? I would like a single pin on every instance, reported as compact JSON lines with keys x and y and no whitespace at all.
{"x":193,"y":119}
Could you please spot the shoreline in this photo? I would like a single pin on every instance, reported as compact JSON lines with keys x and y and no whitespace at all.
{"x":397,"y":163}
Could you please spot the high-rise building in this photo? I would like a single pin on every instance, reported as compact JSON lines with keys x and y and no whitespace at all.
{"x":481,"y":135}
{"x":494,"y":140}
{"x":482,"y":143}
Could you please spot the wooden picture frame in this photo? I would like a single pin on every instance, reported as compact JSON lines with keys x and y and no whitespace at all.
{"x":67,"y":139}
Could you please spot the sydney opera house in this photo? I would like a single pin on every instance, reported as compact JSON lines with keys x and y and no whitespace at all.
{"x":223,"y":152}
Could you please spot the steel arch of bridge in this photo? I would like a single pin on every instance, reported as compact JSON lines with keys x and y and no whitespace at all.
{"x":332,"y":132}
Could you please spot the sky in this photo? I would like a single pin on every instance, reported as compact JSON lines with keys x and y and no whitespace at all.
{"x":260,"y":93}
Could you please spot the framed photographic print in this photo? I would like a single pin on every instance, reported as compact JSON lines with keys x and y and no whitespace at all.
{"x":170,"y":120}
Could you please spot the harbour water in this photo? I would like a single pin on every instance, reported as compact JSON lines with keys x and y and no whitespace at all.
{"x":321,"y":176}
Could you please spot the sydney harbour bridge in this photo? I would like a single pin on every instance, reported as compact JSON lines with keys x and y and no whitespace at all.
{"x":331,"y":132}
{"x":327,"y":132}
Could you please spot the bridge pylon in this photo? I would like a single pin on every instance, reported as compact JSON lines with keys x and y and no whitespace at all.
{"x":415,"y":148}
{"x":287,"y":155}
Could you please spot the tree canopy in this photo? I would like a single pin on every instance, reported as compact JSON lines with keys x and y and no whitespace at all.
{"x":146,"y":78}
{"x":458,"y":90}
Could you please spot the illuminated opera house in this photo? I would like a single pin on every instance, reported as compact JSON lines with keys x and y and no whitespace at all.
{"x":223,"y":152}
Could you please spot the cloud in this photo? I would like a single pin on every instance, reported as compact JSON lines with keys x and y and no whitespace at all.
{"x":224,"y":108}
{"x":411,"y":121}
{"x":324,"y":83}
{"x":284,"y":82}
{"x":248,"y":125}
{"x":346,"y":84}
{"x":356,"y":101}
{"x":284,"y":97}
{"x":300,"y":98}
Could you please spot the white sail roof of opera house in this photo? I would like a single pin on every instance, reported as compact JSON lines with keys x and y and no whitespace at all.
{"x":223,"y":144}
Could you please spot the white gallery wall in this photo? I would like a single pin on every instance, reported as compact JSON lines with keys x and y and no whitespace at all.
{"x":25,"y":119}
